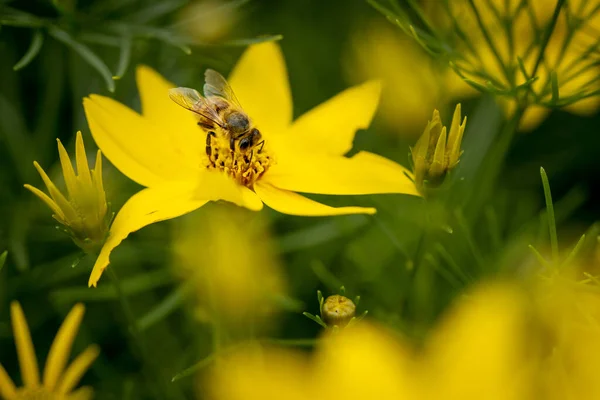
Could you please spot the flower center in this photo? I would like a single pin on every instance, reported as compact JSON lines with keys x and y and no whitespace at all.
{"x":244,"y":164}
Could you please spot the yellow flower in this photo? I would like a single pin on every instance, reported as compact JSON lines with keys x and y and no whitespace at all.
{"x":568,"y":54}
{"x":84,"y":213}
{"x":57,"y":383}
{"x":235,"y":251}
{"x":480,"y":351}
{"x":413,"y":83}
{"x":164,"y":150}
{"x":437,"y":152}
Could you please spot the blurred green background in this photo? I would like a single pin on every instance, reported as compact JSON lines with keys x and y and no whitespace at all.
{"x":401,"y":261}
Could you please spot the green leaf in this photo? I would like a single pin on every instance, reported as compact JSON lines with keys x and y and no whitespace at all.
{"x":86,"y":53}
{"x":3,"y":259}
{"x":575,"y":251}
{"x":249,"y":41}
{"x":34,"y":49}
{"x":554,"y":81}
{"x":166,"y":307}
{"x":124,"y":56}
{"x":551,"y":219}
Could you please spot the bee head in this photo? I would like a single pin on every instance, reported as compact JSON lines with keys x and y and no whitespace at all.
{"x":237,"y":122}
{"x":249,"y":140}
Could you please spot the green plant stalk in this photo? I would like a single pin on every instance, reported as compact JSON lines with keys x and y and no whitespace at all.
{"x":155,"y":378}
{"x":551,"y":218}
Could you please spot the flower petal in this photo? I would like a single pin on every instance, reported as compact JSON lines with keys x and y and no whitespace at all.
{"x":25,"y":351}
{"x":158,"y":108}
{"x":76,"y":369}
{"x":137,"y":147}
{"x":59,"y":215}
{"x":330,"y":127}
{"x":294,"y":204}
{"x":214,"y":186}
{"x":7,"y":387}
{"x":61,"y":347}
{"x":260,"y":82}
{"x":144,"y":208}
{"x":365,"y":173}
{"x":68,"y":171}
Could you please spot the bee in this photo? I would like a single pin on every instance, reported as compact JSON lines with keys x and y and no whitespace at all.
{"x":219,"y":108}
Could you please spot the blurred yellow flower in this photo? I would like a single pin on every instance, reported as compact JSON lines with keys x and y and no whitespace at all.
{"x":437,"y":152}
{"x":58,"y":383}
{"x":227,"y":257}
{"x":413,"y":83}
{"x":84,"y":214}
{"x":164,"y":150}
{"x":207,"y":20}
{"x":492,"y":51}
{"x":479,"y":352}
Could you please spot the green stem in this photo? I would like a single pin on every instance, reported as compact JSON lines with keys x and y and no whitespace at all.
{"x":547,"y":36}
{"x":154,"y":377}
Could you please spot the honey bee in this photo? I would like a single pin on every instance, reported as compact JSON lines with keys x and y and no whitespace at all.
{"x":219,"y":108}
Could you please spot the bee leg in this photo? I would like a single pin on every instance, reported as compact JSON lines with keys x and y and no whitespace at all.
{"x":232,"y":143}
{"x":209,"y":136}
{"x":261,"y":144}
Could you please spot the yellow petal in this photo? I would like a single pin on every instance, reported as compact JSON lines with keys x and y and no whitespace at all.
{"x":330,"y":127}
{"x":7,"y":386}
{"x":287,"y":202}
{"x":533,"y":117}
{"x":75,"y":371}
{"x":66,"y":208}
{"x":214,"y":186}
{"x":370,"y":364}
{"x":365,"y":173}
{"x":68,"y":171}
{"x":27,"y":360}
{"x":144,"y":208}
{"x":260,"y":82}
{"x":137,"y":147}
{"x":83,"y":170}
{"x":83,"y":393}
{"x":99,"y":185}
{"x":180,"y":124}
{"x":59,"y":215}
{"x":61,"y":347}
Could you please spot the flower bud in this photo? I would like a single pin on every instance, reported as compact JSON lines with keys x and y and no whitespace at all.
{"x":338,"y":310}
{"x":437,"y":152}
{"x":83,"y":212}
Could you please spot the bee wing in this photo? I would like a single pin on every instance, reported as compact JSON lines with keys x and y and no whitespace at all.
{"x":191,"y":100}
{"x":216,"y":85}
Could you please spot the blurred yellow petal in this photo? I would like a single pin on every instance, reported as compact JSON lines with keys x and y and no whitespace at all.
{"x":83,"y":393}
{"x":287,"y":202}
{"x":481,"y":349}
{"x":61,"y":347}
{"x":269,"y":375}
{"x":76,"y":369}
{"x":144,"y":208}
{"x":365,"y":173}
{"x":7,"y":386}
{"x":533,"y":117}
{"x":25,"y":351}
{"x":330,"y":127}
{"x":260,"y":82}
{"x":363,"y":362}
{"x":180,"y":124}
{"x":138,"y":148}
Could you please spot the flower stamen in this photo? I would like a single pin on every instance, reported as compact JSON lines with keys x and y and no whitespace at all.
{"x":245,"y":167}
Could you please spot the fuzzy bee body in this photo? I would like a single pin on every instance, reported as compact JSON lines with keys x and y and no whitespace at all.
{"x":220,"y":111}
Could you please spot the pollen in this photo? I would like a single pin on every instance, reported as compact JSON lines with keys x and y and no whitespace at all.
{"x":244,"y":167}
